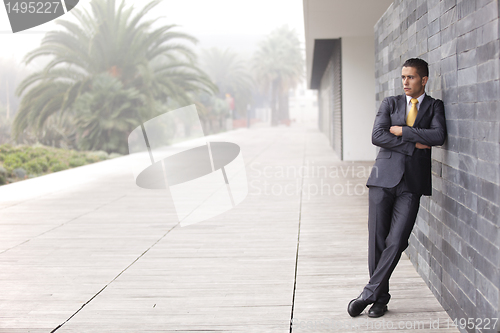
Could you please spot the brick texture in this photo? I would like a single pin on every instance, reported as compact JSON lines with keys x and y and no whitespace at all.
{"x":455,"y":245}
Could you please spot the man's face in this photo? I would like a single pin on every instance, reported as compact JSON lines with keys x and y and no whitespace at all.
{"x":413,"y":84}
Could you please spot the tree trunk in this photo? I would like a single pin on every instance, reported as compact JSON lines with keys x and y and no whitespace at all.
{"x":283,"y":108}
{"x":274,"y":100}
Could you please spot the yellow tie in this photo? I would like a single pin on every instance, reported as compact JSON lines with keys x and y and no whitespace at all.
{"x":412,"y":115}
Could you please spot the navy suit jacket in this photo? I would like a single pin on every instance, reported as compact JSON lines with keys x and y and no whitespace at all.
{"x":398,"y":154}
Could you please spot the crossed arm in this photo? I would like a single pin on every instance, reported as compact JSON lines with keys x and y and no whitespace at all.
{"x":405,"y":139}
{"x":398,"y":131}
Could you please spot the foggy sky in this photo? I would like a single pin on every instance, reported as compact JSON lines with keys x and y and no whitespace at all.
{"x":234,"y":24}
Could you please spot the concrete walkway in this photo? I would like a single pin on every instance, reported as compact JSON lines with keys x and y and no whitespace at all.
{"x":86,"y":250}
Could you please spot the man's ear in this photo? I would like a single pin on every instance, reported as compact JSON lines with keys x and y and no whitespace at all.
{"x":424,"y":80}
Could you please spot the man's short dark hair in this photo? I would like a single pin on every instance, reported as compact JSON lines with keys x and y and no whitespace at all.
{"x":420,"y":65}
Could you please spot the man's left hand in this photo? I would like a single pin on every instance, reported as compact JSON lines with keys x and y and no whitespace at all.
{"x":396,"y":130}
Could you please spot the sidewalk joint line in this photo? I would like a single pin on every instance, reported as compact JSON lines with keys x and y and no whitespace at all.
{"x":298,"y":236}
{"x":62,"y":224}
{"x":116,"y":277}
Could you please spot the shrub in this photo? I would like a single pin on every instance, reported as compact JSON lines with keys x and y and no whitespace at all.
{"x":37,"y":165}
{"x":76,"y":162}
{"x":52,"y":161}
{"x":5,"y":148}
{"x":37,"y":152}
{"x":114,"y":155}
{"x":19,"y":173}
{"x":42,"y":162}
{"x":19,"y":162}
{"x":100,"y":154}
{"x":33,"y":167}
{"x":3,"y":175}
{"x":23,"y":156}
{"x":12,"y":162}
{"x":92,"y":159}
{"x":58,"y":167}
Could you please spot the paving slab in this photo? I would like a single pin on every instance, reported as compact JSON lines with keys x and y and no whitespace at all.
{"x":86,"y":250}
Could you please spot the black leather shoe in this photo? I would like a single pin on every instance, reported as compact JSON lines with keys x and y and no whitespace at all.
{"x":356,"y":306}
{"x":377,"y":310}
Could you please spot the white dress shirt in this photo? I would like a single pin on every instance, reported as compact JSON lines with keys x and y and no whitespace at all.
{"x":408,"y":103}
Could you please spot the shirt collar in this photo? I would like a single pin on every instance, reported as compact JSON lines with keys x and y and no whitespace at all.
{"x":419,"y":98}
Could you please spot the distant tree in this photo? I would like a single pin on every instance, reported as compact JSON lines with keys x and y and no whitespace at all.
{"x":278,"y":67}
{"x":213,"y":112}
{"x":11,"y":74}
{"x":144,"y":67}
{"x":231,"y":75}
{"x":105,"y":114}
{"x":5,"y":124}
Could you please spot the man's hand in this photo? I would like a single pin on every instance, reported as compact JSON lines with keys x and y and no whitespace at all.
{"x":396,"y":130}
{"x":419,"y":145}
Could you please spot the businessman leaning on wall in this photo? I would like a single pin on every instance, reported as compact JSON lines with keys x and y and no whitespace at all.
{"x":405,"y":128}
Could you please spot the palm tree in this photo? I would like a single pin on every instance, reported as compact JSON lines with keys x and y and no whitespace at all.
{"x":105,"y":115}
{"x":231,"y":75}
{"x":144,"y":66}
{"x":278,"y":66}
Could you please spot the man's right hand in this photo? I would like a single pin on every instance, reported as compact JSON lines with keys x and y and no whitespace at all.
{"x":419,"y":145}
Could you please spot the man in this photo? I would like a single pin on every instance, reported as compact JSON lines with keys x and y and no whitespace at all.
{"x":405,"y":128}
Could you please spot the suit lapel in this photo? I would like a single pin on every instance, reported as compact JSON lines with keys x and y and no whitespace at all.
{"x":402,"y":109}
{"x":426,"y":102}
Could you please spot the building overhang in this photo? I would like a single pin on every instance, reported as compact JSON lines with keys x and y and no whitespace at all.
{"x":333,"y":19}
{"x":323,"y":49}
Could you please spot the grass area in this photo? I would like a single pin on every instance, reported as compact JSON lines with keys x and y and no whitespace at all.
{"x":23,"y":162}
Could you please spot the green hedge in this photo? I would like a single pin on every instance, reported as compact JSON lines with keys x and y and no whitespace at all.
{"x":22,"y":162}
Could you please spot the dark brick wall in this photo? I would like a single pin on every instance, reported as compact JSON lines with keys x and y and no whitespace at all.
{"x":456,"y":240}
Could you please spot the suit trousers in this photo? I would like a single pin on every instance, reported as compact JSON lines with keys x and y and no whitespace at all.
{"x":391,"y":217}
